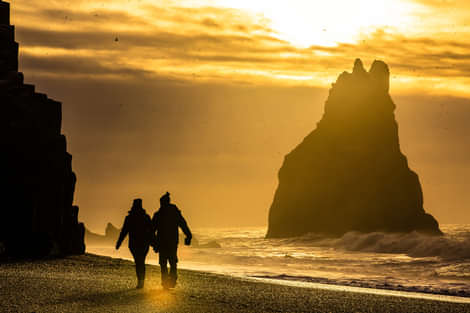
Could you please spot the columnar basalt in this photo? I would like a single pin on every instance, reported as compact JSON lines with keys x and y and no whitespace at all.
{"x":36,"y":215}
{"x":349,"y":173}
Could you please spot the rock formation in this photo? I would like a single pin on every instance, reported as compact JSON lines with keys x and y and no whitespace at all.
{"x":112,"y":231}
{"x":109,"y":238}
{"x":349,"y":173}
{"x":37,"y":217}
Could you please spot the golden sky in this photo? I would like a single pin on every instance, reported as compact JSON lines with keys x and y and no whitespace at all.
{"x":276,"y":42}
{"x":204,"y":98}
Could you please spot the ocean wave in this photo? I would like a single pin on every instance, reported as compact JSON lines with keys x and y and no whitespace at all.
{"x":413,"y":244}
{"x":443,"y":289}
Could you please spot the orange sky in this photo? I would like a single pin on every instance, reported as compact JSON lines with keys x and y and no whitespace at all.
{"x":204,"y":98}
{"x":264,"y":42}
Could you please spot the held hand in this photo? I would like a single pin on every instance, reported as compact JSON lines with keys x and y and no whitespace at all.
{"x":155,"y":246}
{"x":187,"y":241}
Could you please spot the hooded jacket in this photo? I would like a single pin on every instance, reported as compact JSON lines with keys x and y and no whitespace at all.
{"x":166,"y":222}
{"x":139,"y":227}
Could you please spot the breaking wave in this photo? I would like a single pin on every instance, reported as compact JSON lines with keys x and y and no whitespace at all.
{"x":413,"y":244}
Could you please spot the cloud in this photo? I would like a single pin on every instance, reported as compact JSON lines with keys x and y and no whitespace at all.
{"x":215,"y":43}
{"x":71,"y":66}
{"x":440,"y":4}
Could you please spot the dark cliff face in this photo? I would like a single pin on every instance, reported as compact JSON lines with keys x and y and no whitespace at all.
{"x":349,"y":173}
{"x":37,"y":182}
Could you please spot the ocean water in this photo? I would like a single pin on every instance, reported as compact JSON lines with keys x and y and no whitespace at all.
{"x":402,"y":262}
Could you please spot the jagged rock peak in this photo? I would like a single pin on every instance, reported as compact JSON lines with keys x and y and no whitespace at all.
{"x":377,"y":77}
{"x":380,"y":74}
{"x":354,"y":91}
{"x":358,"y":68}
{"x":349,"y":174}
{"x":112,"y":231}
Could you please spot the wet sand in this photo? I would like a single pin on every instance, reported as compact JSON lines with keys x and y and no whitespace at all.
{"x":93,"y":283}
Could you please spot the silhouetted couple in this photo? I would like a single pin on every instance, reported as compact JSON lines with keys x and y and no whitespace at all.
{"x":141,"y":229}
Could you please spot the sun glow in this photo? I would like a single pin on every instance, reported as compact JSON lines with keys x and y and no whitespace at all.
{"x":305,"y":23}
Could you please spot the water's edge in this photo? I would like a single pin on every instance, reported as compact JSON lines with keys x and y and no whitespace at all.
{"x":430,"y":266}
{"x":375,"y":291}
{"x":326,"y":284}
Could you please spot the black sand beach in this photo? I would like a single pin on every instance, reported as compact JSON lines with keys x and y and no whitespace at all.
{"x":93,"y":283}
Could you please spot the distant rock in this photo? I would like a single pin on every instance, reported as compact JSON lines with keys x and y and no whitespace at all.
{"x":94,"y":238}
{"x":109,"y":238}
{"x":112,"y":231}
{"x":37,"y":216}
{"x":349,"y":173}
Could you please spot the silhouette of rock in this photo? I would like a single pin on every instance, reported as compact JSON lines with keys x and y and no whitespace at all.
{"x":349,"y":173}
{"x":37,"y":217}
{"x":112,"y":232}
{"x":108,"y":239}
{"x":92,"y":238}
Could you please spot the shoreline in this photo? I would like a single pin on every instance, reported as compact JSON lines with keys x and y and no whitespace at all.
{"x":353,"y":285}
{"x":92,"y":283}
{"x":364,"y":288}
{"x":369,"y":290}
{"x":323,"y":283}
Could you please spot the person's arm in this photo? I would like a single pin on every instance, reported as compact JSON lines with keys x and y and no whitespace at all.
{"x":123,"y":234}
{"x":155,"y":240}
{"x":155,"y":222}
{"x":184,"y":227}
{"x":151,"y":234}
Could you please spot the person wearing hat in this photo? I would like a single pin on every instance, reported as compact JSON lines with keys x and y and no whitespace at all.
{"x":166,"y":222}
{"x":139,"y":227}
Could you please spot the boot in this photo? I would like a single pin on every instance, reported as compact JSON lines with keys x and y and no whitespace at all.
{"x":140,"y":284}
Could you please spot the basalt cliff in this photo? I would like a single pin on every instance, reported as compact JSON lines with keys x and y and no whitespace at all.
{"x":349,"y":173}
{"x":37,"y":215}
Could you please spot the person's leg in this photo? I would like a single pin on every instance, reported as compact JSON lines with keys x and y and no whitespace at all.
{"x":144,"y":255}
{"x":136,"y":257}
{"x":140,"y":266}
{"x":164,"y":269}
{"x":139,"y":254}
{"x":173,"y":274}
{"x":173,"y":258}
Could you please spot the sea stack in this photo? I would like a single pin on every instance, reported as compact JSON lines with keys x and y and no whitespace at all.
{"x":349,"y":173}
{"x":37,"y":216}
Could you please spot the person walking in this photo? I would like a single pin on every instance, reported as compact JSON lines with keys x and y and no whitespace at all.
{"x":139,"y":227}
{"x":166,"y":222}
